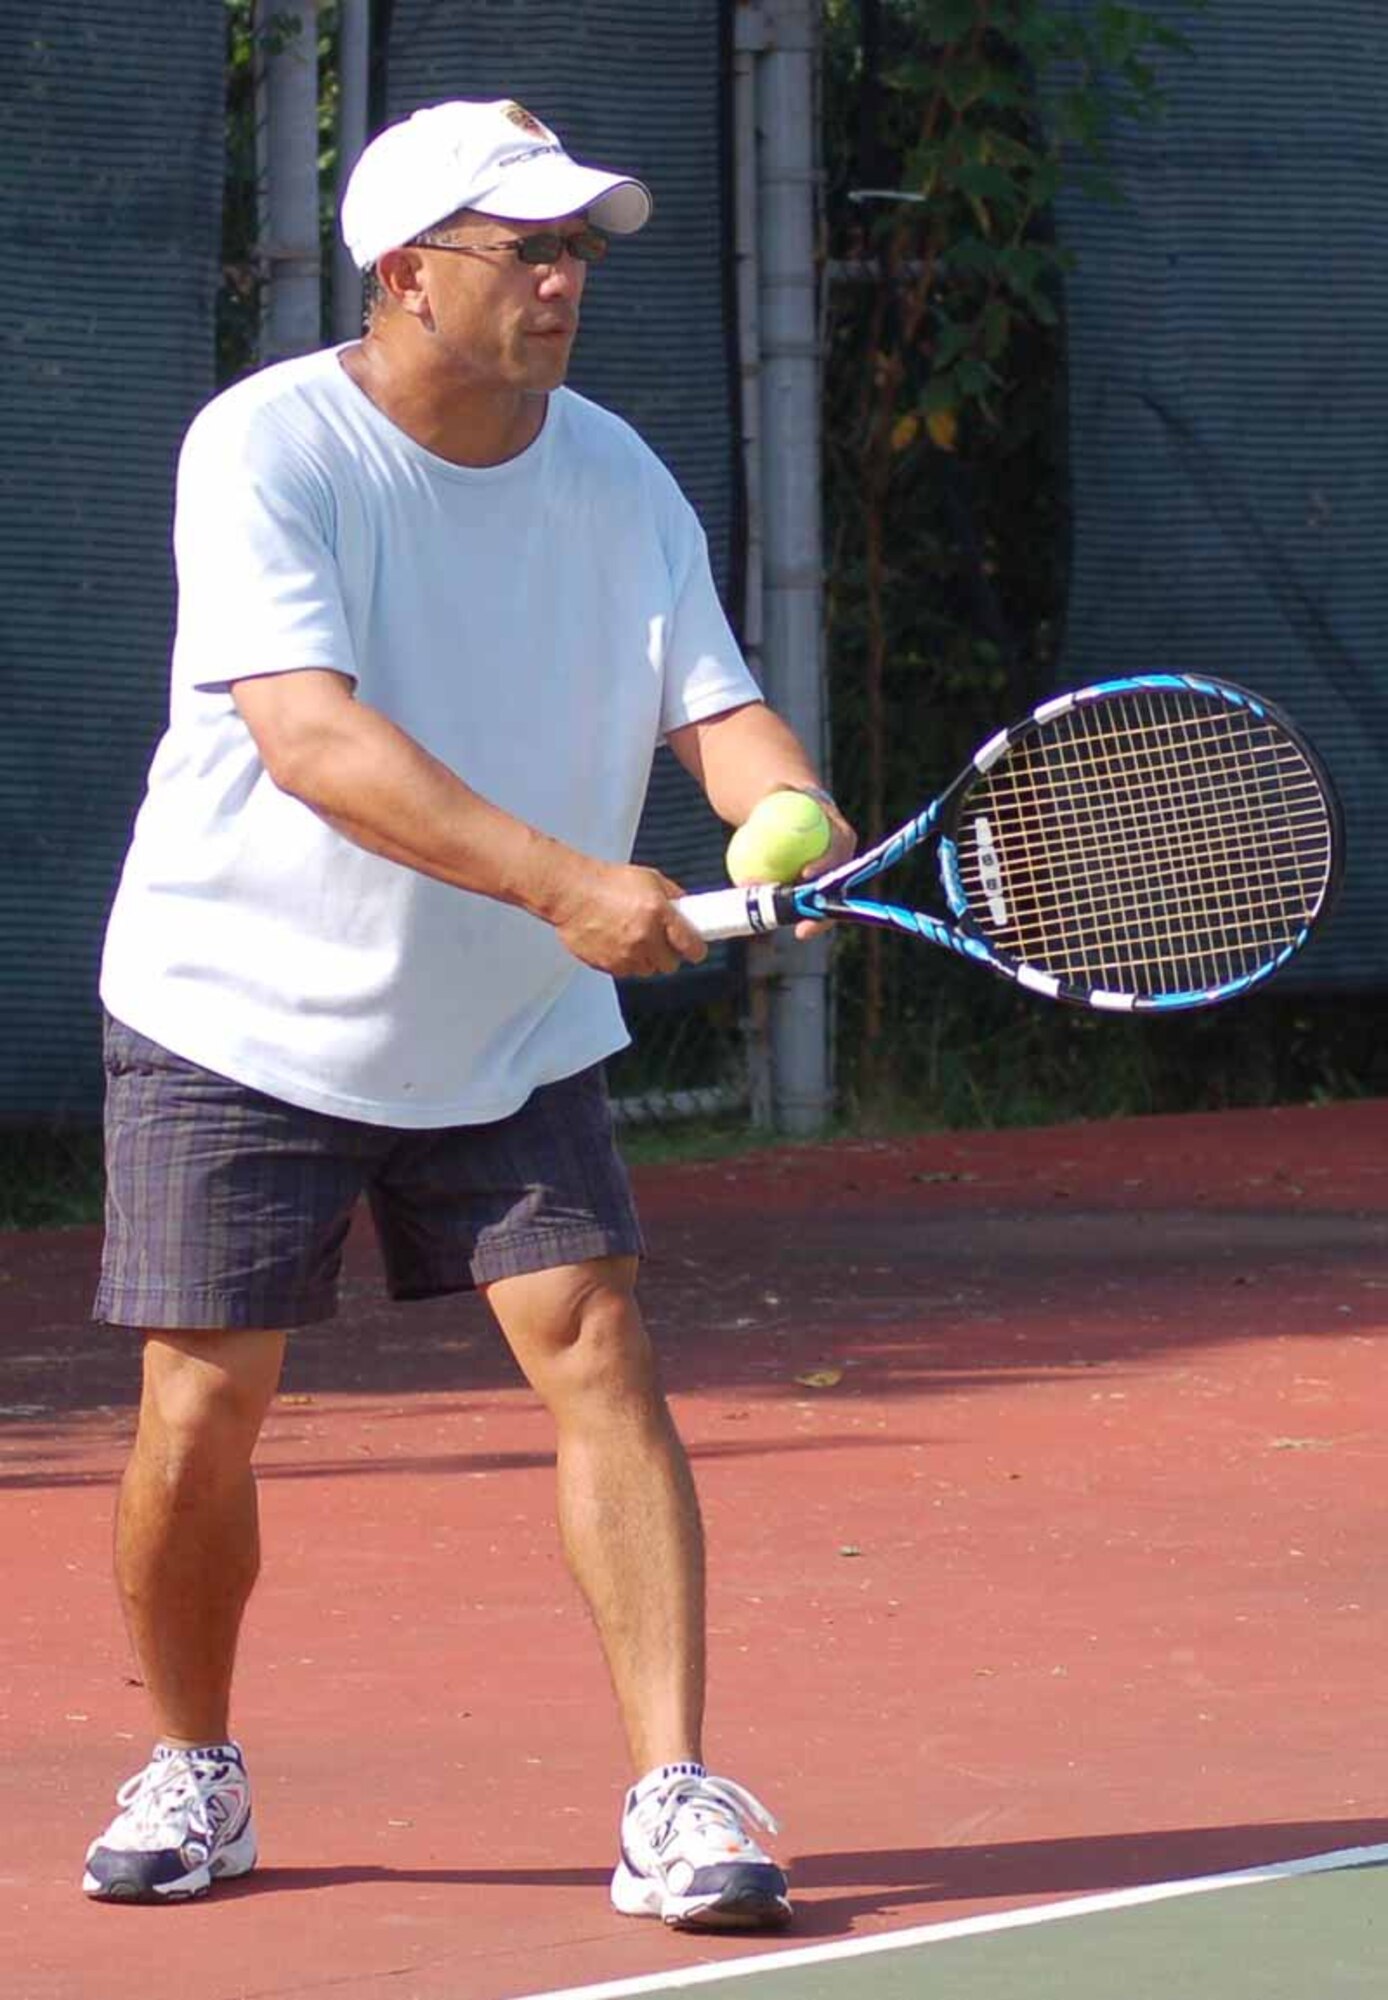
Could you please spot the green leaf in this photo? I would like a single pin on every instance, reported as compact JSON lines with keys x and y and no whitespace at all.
{"x":986,"y":183}
{"x":953,"y":338}
{"x":974,"y":377}
{"x":996,"y":329}
{"x":949,"y":20}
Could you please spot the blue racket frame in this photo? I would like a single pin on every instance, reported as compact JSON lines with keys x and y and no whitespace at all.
{"x":741,"y":912}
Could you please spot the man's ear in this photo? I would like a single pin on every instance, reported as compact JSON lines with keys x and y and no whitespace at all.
{"x":402,"y":279}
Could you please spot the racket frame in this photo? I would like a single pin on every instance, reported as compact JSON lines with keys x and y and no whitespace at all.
{"x":832,"y":896}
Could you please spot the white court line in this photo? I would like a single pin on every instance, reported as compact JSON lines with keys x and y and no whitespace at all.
{"x":1004,"y":1920}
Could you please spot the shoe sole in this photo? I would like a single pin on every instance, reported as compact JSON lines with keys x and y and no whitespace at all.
{"x":638,"y":1896}
{"x":238,"y":1857}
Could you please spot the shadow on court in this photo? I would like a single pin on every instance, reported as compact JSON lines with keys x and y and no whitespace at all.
{"x":922,"y":1876}
{"x":908,"y":1883}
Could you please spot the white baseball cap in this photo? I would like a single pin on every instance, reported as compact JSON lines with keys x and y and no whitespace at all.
{"x":496,"y":158}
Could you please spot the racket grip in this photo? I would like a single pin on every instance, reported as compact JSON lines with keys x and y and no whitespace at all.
{"x":731,"y":913}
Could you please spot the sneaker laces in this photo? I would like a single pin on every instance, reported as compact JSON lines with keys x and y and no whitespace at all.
{"x":705,"y":1806}
{"x":170,"y":1795}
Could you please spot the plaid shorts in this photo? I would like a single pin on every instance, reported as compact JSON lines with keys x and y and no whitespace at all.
{"x":228,"y":1208}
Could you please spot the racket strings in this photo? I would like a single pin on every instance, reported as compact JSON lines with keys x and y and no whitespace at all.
{"x":1154,"y":844}
{"x":1140,"y":894}
{"x":1160,"y":877}
{"x":1169,"y":823}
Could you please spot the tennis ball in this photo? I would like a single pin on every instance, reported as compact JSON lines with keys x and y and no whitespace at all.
{"x":783,"y":835}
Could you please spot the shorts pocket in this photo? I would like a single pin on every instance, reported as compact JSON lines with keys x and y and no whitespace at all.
{"x":128,"y":1053}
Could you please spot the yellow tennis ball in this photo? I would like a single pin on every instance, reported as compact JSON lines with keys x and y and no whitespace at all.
{"x":783,"y":835}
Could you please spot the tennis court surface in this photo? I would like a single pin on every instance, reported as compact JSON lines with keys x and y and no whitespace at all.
{"x":1043,"y":1477}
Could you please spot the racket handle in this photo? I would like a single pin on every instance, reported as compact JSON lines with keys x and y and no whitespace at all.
{"x":730,"y":913}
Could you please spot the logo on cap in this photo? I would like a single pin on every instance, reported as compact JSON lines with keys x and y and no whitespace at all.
{"x":527,"y":121}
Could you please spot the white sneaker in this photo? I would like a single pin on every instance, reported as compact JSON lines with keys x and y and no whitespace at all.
{"x":688,"y":1858}
{"x":185,"y":1821}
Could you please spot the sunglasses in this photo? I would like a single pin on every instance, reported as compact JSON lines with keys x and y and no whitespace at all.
{"x":546,"y":246}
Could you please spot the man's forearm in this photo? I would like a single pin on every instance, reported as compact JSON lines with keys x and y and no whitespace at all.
{"x":386,"y":793}
{"x":741,"y":756}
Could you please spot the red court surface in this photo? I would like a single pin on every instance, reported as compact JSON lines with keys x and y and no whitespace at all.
{"x":1043,"y":1477}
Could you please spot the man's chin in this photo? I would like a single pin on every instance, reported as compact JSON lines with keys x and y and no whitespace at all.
{"x":547,"y":359}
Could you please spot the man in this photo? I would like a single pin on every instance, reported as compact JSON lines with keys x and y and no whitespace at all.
{"x":435,"y":613}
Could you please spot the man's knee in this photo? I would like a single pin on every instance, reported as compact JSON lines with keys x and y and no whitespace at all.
{"x":204,"y":1399}
{"x":578,"y":1332}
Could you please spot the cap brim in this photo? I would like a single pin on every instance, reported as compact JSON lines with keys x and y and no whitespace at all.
{"x":551,"y":185}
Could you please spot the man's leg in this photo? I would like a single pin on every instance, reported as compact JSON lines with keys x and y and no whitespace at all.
{"x":187,"y":1553}
{"x":627,"y":1508}
{"x":536,"y":1210}
{"x":187,"y":1530}
{"x":631,"y":1529}
{"x":226,"y":1213}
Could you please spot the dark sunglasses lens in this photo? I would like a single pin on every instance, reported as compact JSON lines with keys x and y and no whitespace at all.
{"x":546,"y":248}
{"x":588,"y":245}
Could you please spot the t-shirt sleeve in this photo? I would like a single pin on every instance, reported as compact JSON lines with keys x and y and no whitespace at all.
{"x":705,"y":673}
{"x":258,"y":585}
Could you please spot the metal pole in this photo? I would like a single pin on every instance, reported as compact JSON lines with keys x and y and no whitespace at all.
{"x":793,"y":654}
{"x":749,"y":40}
{"x":292,"y":313}
{"x":353,"y":78}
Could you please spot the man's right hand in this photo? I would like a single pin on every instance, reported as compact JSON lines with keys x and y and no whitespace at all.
{"x":623,"y":921}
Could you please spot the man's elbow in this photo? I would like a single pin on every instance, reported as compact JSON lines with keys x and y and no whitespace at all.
{"x":298,"y":739}
{"x":298,"y":762}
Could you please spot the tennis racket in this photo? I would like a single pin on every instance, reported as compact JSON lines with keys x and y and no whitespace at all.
{"x":1159,"y":842}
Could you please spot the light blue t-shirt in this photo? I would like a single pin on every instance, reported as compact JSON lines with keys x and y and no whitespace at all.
{"x":537,"y":626}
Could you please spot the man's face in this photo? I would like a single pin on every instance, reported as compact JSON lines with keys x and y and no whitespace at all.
{"x":502,"y":323}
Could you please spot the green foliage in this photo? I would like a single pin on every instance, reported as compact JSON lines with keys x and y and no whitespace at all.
{"x":949,"y":128}
{"x":976,"y":110}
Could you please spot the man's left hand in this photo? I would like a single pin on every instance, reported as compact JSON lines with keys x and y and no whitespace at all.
{"x":843,"y":845}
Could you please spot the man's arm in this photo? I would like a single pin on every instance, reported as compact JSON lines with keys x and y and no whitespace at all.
{"x":744,"y":753}
{"x":382,"y":790}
